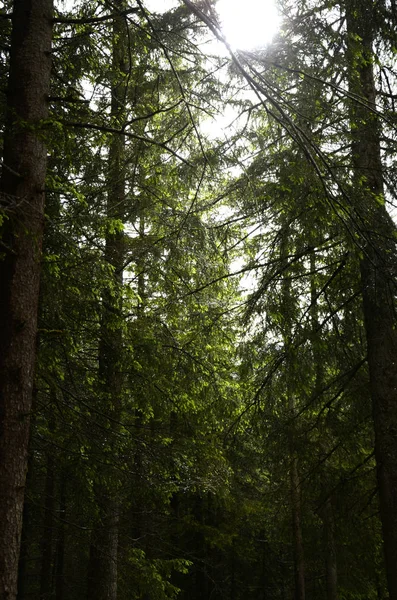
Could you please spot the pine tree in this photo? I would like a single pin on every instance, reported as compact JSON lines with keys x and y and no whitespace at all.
{"x":22,"y":193}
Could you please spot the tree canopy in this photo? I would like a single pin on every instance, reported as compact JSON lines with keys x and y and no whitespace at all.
{"x":198,"y":392}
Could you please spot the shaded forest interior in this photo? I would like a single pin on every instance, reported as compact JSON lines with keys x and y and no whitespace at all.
{"x":198,"y":342}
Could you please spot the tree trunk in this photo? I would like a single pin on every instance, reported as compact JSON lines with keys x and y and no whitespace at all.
{"x":294,"y":477}
{"x":60,"y":546}
{"x":378,"y":262}
{"x":48,"y":520}
{"x":330,"y":551}
{"x":327,"y":514}
{"x":299,"y":559}
{"x":25,"y":536}
{"x":22,"y":195}
{"x":102,"y":581}
{"x":23,"y":557}
{"x":102,"y":575}
{"x":48,"y":524}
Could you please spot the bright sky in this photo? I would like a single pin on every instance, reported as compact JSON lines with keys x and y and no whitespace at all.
{"x":246,"y":23}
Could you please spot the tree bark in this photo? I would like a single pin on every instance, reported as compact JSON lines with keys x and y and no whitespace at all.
{"x":377,"y":269}
{"x":22,"y":196}
{"x":25,"y":535}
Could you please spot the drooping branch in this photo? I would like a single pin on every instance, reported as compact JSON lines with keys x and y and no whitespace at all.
{"x":93,"y":20}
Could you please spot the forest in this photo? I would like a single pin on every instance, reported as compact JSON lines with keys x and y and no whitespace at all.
{"x":198,"y":342}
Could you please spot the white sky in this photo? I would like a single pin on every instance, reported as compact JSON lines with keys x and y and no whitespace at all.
{"x":246,"y":23}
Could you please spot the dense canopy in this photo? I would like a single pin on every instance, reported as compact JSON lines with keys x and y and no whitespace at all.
{"x":198,"y":342}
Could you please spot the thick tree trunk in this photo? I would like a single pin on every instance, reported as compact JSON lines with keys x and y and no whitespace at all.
{"x":22,"y":195}
{"x":378,"y":268}
{"x":25,"y":535}
{"x":23,"y":557}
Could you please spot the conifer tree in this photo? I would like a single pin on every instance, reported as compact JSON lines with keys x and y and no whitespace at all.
{"x":22,"y":198}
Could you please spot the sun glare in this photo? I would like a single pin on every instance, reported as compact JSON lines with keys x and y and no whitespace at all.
{"x":248,"y":24}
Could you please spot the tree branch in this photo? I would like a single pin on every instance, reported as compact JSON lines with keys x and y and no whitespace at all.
{"x":90,"y":20}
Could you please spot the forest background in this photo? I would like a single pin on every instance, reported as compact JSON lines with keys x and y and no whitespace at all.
{"x":197,"y":326}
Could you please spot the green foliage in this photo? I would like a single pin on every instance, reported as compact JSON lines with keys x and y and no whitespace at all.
{"x":152,"y":578}
{"x":167,"y":383}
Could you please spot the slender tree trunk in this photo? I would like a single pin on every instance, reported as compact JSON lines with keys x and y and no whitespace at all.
{"x":296,"y":508}
{"x":327,"y":515}
{"x":102,"y":575}
{"x":22,"y":194}
{"x":299,"y":558}
{"x":294,"y":477}
{"x":378,"y":268}
{"x":48,"y":521}
{"x":102,"y":581}
{"x":233,"y":572}
{"x":330,"y":551}
{"x":60,"y":545}
{"x":47,"y":536}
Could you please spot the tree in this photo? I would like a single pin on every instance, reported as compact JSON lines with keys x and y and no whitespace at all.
{"x":22,"y":197}
{"x":377,"y":265}
{"x":363,"y":212}
{"x":102,"y":568}
{"x":191,"y":437}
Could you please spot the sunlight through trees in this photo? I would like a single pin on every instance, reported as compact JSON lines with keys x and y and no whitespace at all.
{"x":197,"y":300}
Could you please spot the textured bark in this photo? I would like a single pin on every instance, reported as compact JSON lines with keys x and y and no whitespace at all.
{"x":25,"y":536}
{"x":22,"y":195}
{"x":23,"y":557}
{"x":378,"y":268}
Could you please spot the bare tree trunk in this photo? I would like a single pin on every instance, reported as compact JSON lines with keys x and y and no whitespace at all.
{"x":378,"y":269}
{"x":22,"y":195}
